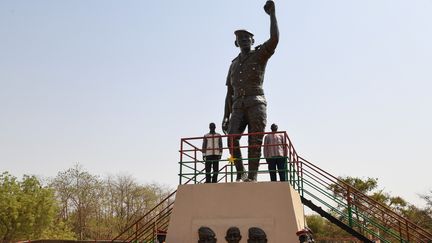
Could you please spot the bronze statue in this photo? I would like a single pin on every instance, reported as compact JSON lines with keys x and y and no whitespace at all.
{"x":257,"y":235}
{"x":245,"y":104}
{"x":206,"y":235}
{"x":233,"y":235}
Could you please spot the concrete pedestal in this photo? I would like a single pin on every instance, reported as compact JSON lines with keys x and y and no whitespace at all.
{"x":274,"y":207}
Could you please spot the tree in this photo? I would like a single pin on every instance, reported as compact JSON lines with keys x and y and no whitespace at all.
{"x":102,"y":208}
{"x":27,"y":208}
{"x":423,"y":217}
{"x":58,"y":230}
{"x":369,"y":187}
{"x":78,"y":193}
{"x":124,"y":202}
{"x":322,"y":228}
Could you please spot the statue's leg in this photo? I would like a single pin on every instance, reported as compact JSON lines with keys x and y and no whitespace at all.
{"x":237,"y":125}
{"x":257,"y":121}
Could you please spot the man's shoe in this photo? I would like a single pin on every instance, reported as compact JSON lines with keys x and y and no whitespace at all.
{"x":243,"y":178}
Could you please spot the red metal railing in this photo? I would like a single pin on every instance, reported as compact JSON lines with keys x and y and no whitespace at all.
{"x":356,"y":209}
{"x":370,"y":218}
{"x":146,"y":227}
{"x":191,"y":155}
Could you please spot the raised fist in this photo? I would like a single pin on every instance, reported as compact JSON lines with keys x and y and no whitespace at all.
{"x":269,"y":7}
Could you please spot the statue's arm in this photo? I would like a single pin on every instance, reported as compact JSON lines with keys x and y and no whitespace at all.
{"x":228,"y":102}
{"x":228,"y":106}
{"x":274,"y":30}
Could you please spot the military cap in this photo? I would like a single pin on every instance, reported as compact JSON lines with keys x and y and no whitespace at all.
{"x":205,"y":232}
{"x":257,"y":234}
{"x":237,"y":32}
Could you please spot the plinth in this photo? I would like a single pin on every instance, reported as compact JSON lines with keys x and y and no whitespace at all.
{"x":274,"y":207}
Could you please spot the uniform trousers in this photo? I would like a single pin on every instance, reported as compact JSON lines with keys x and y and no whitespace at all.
{"x":255,"y":119}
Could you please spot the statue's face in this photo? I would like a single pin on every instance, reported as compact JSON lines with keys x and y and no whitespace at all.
{"x":257,"y":235}
{"x":244,"y":40}
{"x":206,"y":235}
{"x":207,"y":239}
{"x":233,"y":236}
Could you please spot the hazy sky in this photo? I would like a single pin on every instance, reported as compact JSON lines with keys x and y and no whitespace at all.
{"x":114,"y":85}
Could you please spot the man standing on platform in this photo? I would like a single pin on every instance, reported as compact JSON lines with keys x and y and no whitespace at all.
{"x":245,"y":104}
{"x":212,"y":152}
{"x":275,"y":153}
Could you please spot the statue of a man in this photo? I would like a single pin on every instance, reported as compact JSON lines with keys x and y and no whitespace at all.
{"x":257,"y":235}
{"x":233,"y":235}
{"x":206,"y":235}
{"x":245,"y":104}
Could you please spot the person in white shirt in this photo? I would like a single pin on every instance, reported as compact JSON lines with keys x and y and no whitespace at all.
{"x":275,"y":153}
{"x":212,"y":153}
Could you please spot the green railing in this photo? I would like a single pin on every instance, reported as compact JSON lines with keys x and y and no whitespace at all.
{"x":351,"y":208}
{"x":355,"y":209}
{"x":147,"y":227}
{"x":362,"y":214}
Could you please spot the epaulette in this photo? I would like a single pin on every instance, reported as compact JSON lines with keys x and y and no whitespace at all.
{"x":235,"y":58}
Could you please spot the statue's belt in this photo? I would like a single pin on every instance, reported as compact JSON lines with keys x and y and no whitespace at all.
{"x":247,"y":91}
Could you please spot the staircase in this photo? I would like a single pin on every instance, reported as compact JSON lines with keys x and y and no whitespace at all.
{"x":333,"y":199}
{"x":352,"y":210}
{"x":146,"y":228}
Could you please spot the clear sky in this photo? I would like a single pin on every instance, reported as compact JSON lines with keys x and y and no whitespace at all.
{"x":114,"y":85}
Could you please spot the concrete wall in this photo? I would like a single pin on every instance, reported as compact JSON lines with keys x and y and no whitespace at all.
{"x":273,"y":206}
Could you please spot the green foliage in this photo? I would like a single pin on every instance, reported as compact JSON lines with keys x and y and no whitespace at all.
{"x":78,"y":193}
{"x":421,"y":217}
{"x":364,"y":186}
{"x":76,"y":205}
{"x":316,"y":224}
{"x":26,"y":208}
{"x":58,"y":231}
{"x":322,"y":228}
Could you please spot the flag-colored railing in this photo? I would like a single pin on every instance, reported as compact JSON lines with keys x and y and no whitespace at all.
{"x":360,"y":215}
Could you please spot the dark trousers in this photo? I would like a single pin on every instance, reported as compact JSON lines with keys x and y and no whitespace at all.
{"x":212,"y":161}
{"x":278,"y":162}
{"x":254,"y":118}
{"x":161,"y":238}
